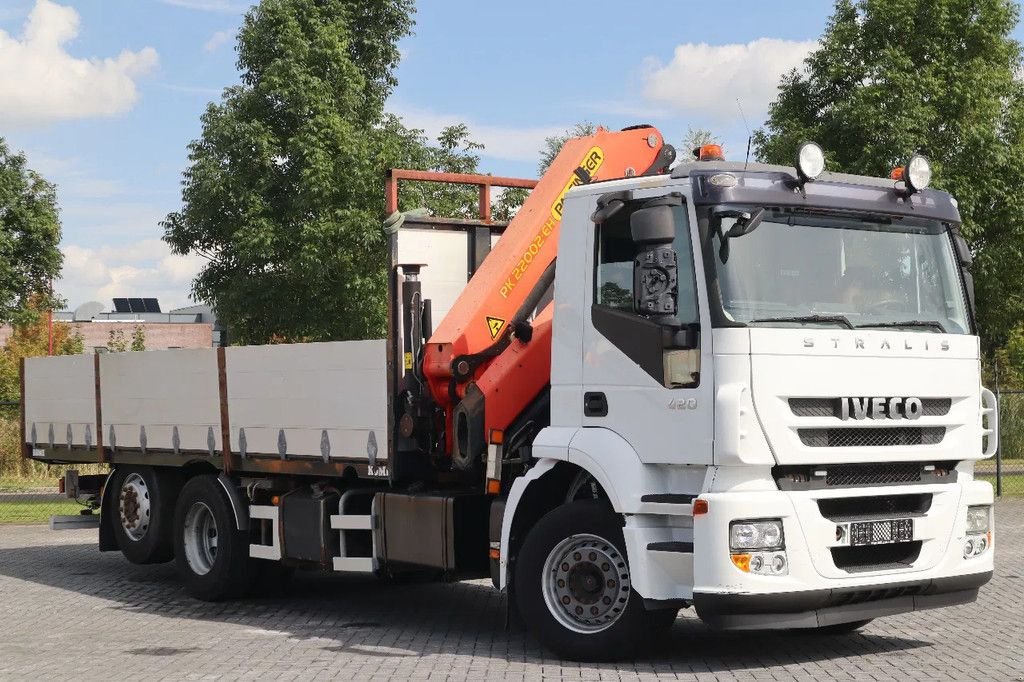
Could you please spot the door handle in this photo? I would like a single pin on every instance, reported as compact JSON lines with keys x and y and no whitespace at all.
{"x":595,"y":404}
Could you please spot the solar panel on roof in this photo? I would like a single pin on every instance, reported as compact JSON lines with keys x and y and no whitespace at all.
{"x":136,"y":305}
{"x":121,"y":305}
{"x":151,"y":304}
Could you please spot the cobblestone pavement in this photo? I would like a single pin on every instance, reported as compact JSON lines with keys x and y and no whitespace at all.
{"x":69,"y":612}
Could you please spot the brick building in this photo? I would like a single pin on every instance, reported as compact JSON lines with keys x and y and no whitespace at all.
{"x":192,"y":327}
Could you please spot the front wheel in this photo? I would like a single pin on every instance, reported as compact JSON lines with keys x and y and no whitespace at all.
{"x":572,"y":585}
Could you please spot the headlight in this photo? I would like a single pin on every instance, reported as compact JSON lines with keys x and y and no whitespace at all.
{"x":756,"y":535}
{"x":918,"y":173}
{"x":810,"y":161}
{"x":977,"y":519}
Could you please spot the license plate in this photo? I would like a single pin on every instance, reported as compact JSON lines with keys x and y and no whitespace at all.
{"x":881,"y":532}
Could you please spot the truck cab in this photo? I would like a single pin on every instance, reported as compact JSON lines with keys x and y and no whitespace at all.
{"x":790,"y":442}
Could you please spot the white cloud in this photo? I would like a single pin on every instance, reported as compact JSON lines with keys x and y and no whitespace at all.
{"x":217,"y":39}
{"x":211,"y":5}
{"x":510,"y":143}
{"x":41,"y":82}
{"x":75,"y":179}
{"x":706,"y":79}
{"x":144,"y":268}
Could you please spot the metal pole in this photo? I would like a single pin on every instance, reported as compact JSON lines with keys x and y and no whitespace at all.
{"x":49,"y":322}
{"x":999,"y":449}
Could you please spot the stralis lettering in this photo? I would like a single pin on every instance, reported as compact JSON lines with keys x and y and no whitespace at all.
{"x":860,"y":344}
{"x":880,"y":408}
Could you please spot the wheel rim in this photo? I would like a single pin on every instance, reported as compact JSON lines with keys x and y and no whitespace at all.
{"x":200,"y":538}
{"x":134,"y":506}
{"x":586,"y":583}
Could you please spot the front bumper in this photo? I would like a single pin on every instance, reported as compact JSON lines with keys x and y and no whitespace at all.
{"x":832,"y":606}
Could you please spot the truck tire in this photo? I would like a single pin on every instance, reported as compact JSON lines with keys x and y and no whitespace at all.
{"x":142,"y":512}
{"x":211,"y":554}
{"x":572,"y":585}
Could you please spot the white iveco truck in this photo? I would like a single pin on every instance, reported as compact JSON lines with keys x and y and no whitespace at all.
{"x":750,"y":389}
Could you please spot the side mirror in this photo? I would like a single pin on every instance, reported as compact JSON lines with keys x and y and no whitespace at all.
{"x":745,"y":224}
{"x":963,"y":255}
{"x":655,"y":279}
{"x":963,"y":252}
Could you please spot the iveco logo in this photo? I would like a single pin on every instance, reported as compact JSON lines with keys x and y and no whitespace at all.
{"x":880,"y":408}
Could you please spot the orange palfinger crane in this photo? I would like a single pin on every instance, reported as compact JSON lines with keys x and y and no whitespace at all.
{"x":488,"y":336}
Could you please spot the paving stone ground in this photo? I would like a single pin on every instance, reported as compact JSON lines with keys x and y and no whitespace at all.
{"x":69,"y":612}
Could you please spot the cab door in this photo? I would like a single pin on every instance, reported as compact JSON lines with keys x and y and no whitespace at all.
{"x":656,"y":395}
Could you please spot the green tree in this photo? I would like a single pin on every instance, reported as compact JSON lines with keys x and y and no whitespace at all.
{"x":284,"y":190}
{"x":116,"y":341}
{"x":29,"y":236}
{"x":695,"y":139}
{"x":30,"y":339}
{"x":893,"y":77}
{"x":138,"y":338}
{"x":553,"y":144}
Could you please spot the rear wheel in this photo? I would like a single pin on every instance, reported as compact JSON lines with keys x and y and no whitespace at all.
{"x":142,"y":512}
{"x":212,"y":555}
{"x":572,"y":585}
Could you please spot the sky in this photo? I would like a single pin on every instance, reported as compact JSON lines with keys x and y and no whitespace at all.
{"x":104,"y":96}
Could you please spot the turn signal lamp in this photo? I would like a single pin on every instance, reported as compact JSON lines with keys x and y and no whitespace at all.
{"x":897,"y":174}
{"x":709,"y":152}
{"x":742,"y":562}
{"x":493,"y":486}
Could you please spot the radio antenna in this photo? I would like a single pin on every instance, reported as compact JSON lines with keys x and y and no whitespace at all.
{"x":750,"y":135}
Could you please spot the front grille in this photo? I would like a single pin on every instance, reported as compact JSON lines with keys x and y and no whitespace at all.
{"x":871,"y":437}
{"x":819,"y":476}
{"x":829,"y":407}
{"x":839,"y":509}
{"x":876,"y":557}
{"x":873,"y":474}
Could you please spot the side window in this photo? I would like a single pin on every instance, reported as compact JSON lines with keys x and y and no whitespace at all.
{"x":639,"y":338}
{"x":614,"y":277}
{"x":687,"y":299}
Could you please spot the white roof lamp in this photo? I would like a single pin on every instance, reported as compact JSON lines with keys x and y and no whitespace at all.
{"x":810,"y":161}
{"x":917,"y":174}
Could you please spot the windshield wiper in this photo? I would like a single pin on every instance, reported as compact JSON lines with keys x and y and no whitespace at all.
{"x":837,"y":319}
{"x":934,"y":324}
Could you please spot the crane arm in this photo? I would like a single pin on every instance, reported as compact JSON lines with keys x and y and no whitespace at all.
{"x":510,"y":283}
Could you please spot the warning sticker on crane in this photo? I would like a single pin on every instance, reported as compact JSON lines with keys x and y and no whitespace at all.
{"x":495,"y":325}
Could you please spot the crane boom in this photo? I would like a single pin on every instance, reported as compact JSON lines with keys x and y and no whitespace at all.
{"x":487,"y":318}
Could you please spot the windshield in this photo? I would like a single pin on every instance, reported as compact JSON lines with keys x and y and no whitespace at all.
{"x":824,"y":269}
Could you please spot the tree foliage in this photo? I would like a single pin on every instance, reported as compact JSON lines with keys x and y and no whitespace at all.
{"x":893,"y":77}
{"x":553,"y":144}
{"x":138,"y":339}
{"x":30,"y":339}
{"x":695,"y":139}
{"x":284,"y":191}
{"x":29,"y":236}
